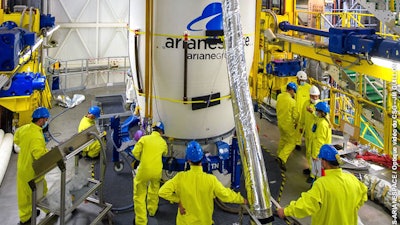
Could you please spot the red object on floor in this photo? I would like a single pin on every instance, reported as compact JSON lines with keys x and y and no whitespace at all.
{"x":383,"y":160}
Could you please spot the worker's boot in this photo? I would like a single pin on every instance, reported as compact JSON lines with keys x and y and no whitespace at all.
{"x":310,"y":180}
{"x":28,"y":222}
{"x":306,"y":171}
{"x":281,"y":164}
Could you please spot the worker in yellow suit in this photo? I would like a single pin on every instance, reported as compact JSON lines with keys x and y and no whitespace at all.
{"x":333,"y":199}
{"x":302,"y":96}
{"x":149,"y":151}
{"x":93,"y":150}
{"x":195,"y":190}
{"x":30,"y":140}
{"x":288,"y":115}
{"x":306,"y":122}
{"x":321,"y":133}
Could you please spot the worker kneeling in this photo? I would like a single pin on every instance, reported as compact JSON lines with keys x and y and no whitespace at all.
{"x":93,"y":150}
{"x":195,"y":190}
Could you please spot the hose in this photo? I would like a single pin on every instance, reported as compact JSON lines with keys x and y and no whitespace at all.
{"x":273,"y":14}
{"x":123,"y":209}
{"x":51,"y":120}
{"x":22,"y":17}
{"x":228,"y":209}
{"x":30,"y":19}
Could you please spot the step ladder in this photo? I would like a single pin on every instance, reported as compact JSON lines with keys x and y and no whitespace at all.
{"x":372,"y":88}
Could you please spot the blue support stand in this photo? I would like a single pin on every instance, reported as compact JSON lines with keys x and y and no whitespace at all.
{"x":116,"y":137}
{"x":236,"y":165}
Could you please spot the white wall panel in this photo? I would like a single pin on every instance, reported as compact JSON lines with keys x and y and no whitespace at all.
{"x":89,"y":28}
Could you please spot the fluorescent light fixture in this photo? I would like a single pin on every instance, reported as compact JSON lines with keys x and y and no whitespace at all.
{"x":387,"y":63}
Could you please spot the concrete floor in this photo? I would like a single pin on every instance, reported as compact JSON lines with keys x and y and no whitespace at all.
{"x":65,"y":125}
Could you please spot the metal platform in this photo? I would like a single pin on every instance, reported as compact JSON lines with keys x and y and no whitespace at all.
{"x":111,"y":106}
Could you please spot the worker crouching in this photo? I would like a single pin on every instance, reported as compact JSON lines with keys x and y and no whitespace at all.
{"x":93,"y":150}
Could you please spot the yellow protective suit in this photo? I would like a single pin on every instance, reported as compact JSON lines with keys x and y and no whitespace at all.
{"x":333,"y":199}
{"x":93,"y":149}
{"x":306,"y":123}
{"x":31,"y":141}
{"x":321,"y":136}
{"x":149,"y":151}
{"x":302,"y":96}
{"x":288,"y":116}
{"x":196,"y":191}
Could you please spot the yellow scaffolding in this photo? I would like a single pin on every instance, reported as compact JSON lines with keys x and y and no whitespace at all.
{"x":344,"y":105}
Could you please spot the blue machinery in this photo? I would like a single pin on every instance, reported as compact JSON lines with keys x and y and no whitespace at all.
{"x":227,"y":161}
{"x":353,"y":41}
{"x":12,"y":41}
{"x":24,"y":84}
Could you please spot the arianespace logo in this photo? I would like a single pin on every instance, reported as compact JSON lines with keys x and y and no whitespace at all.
{"x":211,"y":17}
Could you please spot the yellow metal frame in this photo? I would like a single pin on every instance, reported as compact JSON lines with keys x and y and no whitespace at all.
{"x":341,"y":100}
{"x":344,"y":61}
{"x":320,"y":52}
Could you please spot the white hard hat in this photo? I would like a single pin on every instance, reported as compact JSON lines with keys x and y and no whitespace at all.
{"x":301,"y":75}
{"x":314,"y":90}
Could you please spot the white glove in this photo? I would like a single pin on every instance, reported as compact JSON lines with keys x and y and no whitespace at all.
{"x":16,"y":148}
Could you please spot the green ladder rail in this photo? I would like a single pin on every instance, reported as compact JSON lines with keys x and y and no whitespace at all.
{"x":367,"y":132}
{"x":372,"y":91}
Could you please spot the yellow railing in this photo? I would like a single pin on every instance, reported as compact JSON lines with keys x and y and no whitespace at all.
{"x":349,"y":108}
{"x":344,"y":106}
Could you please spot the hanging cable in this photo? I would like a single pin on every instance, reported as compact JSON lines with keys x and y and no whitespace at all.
{"x":51,"y":120}
{"x":137,"y":62}
{"x":185,"y":62}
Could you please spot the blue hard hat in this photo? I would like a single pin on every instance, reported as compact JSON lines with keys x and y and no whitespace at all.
{"x":322,"y":106}
{"x":158,"y":125}
{"x":194,"y":152}
{"x":41,"y":112}
{"x":328,"y":152}
{"x":95,"y":111}
{"x":292,"y":85}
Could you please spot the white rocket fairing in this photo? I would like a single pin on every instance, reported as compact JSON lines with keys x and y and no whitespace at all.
{"x":206,"y":76}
